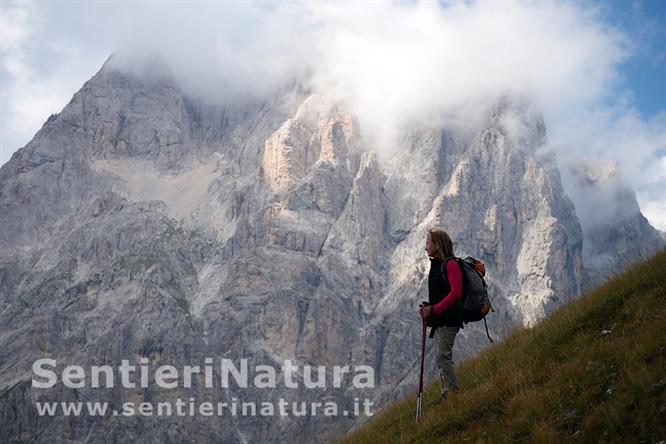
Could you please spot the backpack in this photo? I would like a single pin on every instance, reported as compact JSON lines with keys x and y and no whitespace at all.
{"x":475,"y":301}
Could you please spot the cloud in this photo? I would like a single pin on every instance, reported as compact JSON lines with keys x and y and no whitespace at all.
{"x":617,"y":133}
{"x":652,"y":193}
{"x":38,"y":75}
{"x":393,"y":63}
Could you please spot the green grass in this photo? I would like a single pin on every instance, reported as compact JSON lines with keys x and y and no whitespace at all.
{"x":562,"y":380}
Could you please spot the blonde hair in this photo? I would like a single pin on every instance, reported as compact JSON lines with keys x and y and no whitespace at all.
{"x":442,"y":241}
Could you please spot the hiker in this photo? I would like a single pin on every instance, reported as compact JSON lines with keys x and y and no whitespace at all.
{"x":444,"y":307}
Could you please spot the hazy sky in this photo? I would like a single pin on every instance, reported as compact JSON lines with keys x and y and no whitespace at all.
{"x":596,"y":70}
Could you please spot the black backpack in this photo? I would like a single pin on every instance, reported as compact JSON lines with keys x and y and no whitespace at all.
{"x":475,"y":300}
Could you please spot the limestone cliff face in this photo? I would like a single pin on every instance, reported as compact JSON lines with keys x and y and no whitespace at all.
{"x":141,"y":223}
{"x":319,"y":133}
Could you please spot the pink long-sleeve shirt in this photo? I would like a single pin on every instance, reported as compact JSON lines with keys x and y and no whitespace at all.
{"x":455,"y":282}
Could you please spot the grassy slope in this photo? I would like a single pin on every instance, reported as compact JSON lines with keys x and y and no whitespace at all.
{"x":563,"y":380}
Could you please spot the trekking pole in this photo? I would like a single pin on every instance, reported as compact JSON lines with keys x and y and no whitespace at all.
{"x":423,"y":344}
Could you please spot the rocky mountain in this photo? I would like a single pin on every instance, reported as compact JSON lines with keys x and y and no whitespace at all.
{"x":616,"y":233}
{"x":146,"y":225}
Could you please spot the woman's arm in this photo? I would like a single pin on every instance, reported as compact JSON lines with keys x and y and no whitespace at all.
{"x":455,"y":282}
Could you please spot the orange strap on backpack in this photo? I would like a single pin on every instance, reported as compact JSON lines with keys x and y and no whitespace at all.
{"x":480,"y":267}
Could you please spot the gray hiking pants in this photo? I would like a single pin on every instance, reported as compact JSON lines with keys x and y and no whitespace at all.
{"x":444,"y":337}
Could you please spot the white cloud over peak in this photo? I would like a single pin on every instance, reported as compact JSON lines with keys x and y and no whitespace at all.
{"x":393,"y":63}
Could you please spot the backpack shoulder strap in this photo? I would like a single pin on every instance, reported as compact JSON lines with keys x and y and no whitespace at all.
{"x":441,"y":270}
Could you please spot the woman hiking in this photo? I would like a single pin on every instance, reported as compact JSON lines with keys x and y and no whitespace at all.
{"x":444,"y":307}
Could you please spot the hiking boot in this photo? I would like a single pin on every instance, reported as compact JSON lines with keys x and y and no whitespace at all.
{"x":443,"y":396}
